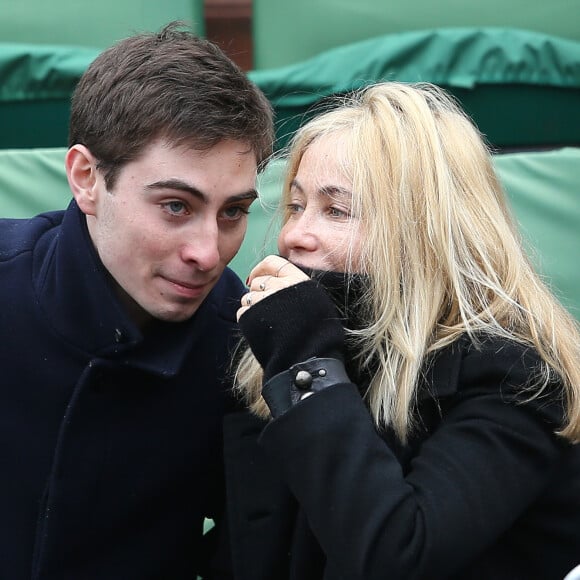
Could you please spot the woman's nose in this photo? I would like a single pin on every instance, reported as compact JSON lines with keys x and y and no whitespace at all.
{"x":299,"y":233}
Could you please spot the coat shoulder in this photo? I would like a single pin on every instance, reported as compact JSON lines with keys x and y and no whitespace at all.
{"x":495,"y":366}
{"x":20,"y":235}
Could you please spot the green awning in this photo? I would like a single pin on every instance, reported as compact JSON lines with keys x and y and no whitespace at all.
{"x":543,"y":189}
{"x":522,"y":88}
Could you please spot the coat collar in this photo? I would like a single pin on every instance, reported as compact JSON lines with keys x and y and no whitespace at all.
{"x":441,"y":371}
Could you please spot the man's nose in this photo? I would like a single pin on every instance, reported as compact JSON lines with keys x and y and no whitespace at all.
{"x":202,"y":248}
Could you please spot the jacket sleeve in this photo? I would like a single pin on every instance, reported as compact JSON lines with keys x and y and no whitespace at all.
{"x":489,"y":458}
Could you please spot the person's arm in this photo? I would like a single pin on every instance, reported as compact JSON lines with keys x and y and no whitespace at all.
{"x":485,"y":464}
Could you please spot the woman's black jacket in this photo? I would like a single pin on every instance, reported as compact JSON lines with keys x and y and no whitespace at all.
{"x":482,"y":490}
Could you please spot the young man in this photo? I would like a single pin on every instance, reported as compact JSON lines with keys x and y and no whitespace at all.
{"x":118,"y":314}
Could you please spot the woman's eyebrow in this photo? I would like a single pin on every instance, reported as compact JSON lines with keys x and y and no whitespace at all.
{"x":327,"y":190}
{"x":335,"y":191}
{"x":295,"y":184}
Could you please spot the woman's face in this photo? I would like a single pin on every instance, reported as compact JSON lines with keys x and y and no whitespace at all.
{"x":321,"y":231}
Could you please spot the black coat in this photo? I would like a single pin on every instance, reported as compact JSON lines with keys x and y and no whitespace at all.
{"x":111,"y":441}
{"x":483,"y":490}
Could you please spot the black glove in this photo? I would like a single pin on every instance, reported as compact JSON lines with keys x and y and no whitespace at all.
{"x":293,"y":325}
{"x":296,"y":334}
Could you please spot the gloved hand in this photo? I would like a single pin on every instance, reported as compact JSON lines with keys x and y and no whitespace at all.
{"x":292,"y":325}
{"x":295,"y":328}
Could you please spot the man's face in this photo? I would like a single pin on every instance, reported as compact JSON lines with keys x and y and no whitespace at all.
{"x":174,"y":219}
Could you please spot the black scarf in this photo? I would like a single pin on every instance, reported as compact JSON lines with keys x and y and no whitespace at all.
{"x":348,"y":292}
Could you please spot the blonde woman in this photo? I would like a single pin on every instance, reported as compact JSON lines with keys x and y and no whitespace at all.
{"x":414,"y":386}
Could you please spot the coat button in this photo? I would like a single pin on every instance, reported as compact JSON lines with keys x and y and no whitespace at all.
{"x":303,"y":380}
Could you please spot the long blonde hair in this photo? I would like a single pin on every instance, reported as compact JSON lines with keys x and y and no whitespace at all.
{"x":440,"y":249}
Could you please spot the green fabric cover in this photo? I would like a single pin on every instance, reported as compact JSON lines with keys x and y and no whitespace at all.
{"x":32,"y":181}
{"x":36,"y":71}
{"x":543,"y":189}
{"x":95,"y":24}
{"x":46,"y":47}
{"x":36,"y":83}
{"x":522,"y":88}
{"x":288,"y":32}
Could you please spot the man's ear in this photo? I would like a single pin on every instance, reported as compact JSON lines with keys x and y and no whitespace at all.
{"x":81,"y":172}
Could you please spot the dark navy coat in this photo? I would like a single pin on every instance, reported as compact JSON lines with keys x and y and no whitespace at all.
{"x":483,"y":490}
{"x":111,"y":446}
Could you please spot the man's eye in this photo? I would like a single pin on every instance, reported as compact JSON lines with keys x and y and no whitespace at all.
{"x":235,"y":212}
{"x":175,"y":207}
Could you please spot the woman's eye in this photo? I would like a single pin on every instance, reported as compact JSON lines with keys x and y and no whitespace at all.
{"x":338,"y":213}
{"x":294,"y":208}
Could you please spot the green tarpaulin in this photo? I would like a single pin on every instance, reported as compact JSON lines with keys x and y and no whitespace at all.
{"x":288,"y":32}
{"x":543,"y":189}
{"x":36,"y":83}
{"x":94,"y":24}
{"x":522,"y":88}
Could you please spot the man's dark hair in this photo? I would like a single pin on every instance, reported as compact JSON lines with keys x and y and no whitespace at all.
{"x":169,"y":85}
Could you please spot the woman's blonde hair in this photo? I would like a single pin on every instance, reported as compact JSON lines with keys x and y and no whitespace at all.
{"x":441,"y":252}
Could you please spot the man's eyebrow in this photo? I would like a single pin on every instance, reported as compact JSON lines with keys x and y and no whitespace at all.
{"x":182,"y":186}
{"x":250,"y":194}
